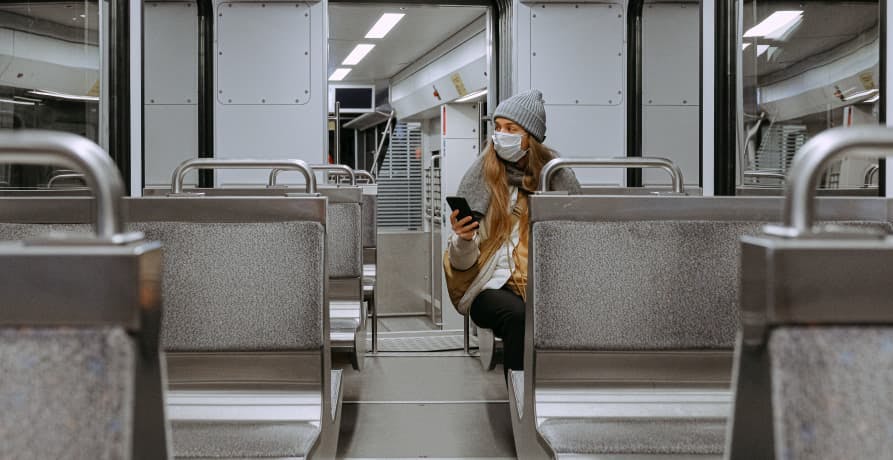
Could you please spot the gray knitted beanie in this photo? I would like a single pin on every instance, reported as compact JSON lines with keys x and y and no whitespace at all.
{"x":527,"y":110}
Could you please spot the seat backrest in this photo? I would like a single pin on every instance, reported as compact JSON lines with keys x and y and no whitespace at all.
{"x":345,"y":235}
{"x":370,"y":217}
{"x":815,"y":359}
{"x":639,"y":273}
{"x":241,"y":273}
{"x":79,"y":351}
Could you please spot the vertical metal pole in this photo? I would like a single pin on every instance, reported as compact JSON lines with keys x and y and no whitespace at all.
{"x":337,"y":132}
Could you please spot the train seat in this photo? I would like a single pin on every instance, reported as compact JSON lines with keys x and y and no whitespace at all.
{"x":631,"y":323}
{"x":79,"y":327}
{"x":244,"y":315}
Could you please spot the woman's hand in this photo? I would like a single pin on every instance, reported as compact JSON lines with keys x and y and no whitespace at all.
{"x":462,"y":227}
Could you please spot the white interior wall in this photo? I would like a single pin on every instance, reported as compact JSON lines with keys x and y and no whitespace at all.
{"x":459,"y":149}
{"x":889,"y":106}
{"x":576,"y":55}
{"x":269,"y":104}
{"x":456,"y":73}
{"x":708,"y":104}
{"x":670,"y":88}
{"x":171,"y":89}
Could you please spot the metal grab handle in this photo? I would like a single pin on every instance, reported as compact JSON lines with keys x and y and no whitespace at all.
{"x":811,"y":161}
{"x":59,"y":177}
{"x":215,"y":163}
{"x":365,"y":175}
{"x":274,"y":174}
{"x":557,"y":164}
{"x":36,"y":147}
{"x":870,"y":174}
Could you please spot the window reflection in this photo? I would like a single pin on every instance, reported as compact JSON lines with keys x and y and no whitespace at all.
{"x":807,"y":67}
{"x":49,"y":76}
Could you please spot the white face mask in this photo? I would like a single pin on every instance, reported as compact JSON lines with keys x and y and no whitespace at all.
{"x":508,"y":146}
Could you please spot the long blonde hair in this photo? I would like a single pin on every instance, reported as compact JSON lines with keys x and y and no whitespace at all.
{"x":499,"y":218}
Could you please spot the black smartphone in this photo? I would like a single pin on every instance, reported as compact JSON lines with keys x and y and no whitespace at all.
{"x":459,"y":203}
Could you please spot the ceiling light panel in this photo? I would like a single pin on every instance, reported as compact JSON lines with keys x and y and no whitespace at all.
{"x":776,"y":25}
{"x":358,"y":53}
{"x":384,"y":25}
{"x":339,"y":74}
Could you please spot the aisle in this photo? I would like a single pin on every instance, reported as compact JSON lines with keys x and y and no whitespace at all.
{"x":431,"y":406}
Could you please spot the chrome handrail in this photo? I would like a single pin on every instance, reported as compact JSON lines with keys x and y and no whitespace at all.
{"x":59,"y":177}
{"x":812,"y":160}
{"x":365,"y":175}
{"x":37,"y":147}
{"x":274,"y":174}
{"x":870,"y":174}
{"x":626,"y":162}
{"x":221,"y":163}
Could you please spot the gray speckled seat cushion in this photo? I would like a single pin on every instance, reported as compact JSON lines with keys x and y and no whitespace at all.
{"x":194,"y":439}
{"x":240,"y":286}
{"x":370,"y":202}
{"x":345,"y":240}
{"x":66,"y":393}
{"x":231,"y":286}
{"x":637,"y":285}
{"x":832,"y":392}
{"x":652,"y":436}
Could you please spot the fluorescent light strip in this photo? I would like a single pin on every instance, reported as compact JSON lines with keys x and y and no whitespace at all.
{"x":70,"y":97}
{"x":775,"y":25}
{"x":10,"y":101}
{"x":472,"y":95}
{"x":384,"y":25}
{"x":358,"y":53}
{"x":874,"y":99}
{"x":339,"y":74}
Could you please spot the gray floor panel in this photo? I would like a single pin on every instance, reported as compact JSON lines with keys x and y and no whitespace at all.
{"x":422,"y":379}
{"x":416,"y":430}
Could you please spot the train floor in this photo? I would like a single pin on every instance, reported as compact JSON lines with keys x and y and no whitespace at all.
{"x":424,"y":405}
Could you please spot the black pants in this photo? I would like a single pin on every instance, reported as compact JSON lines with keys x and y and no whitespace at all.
{"x":503,"y":311}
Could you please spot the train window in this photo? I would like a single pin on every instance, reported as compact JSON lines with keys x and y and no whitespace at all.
{"x":807,"y":67}
{"x":49,"y":77}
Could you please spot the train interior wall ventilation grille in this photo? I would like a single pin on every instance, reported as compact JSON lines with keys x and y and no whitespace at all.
{"x":400,"y":179}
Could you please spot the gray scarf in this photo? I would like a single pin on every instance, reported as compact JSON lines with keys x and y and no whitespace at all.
{"x":474,"y":188}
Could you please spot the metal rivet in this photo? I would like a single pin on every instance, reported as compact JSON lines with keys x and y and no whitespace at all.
{"x":685,"y":102}
{"x":220,"y":53}
{"x":620,"y":54}
{"x":297,"y":101}
{"x":619,"y":15}
{"x":229,"y":100}
{"x":619,"y":92}
{"x":534,"y":15}
{"x":263,"y":101}
{"x":306,"y":53}
{"x":221,"y":15}
{"x":306,"y":91}
{"x":485,"y":74}
{"x":189,"y":101}
{"x":306,"y":15}
{"x":534,"y":53}
{"x":650,"y":101}
{"x":576,"y":101}
{"x":262,"y":5}
{"x":230,"y":5}
{"x":610,"y":101}
{"x":152,"y":101}
{"x":220,"y":91}
{"x":576,"y":6}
